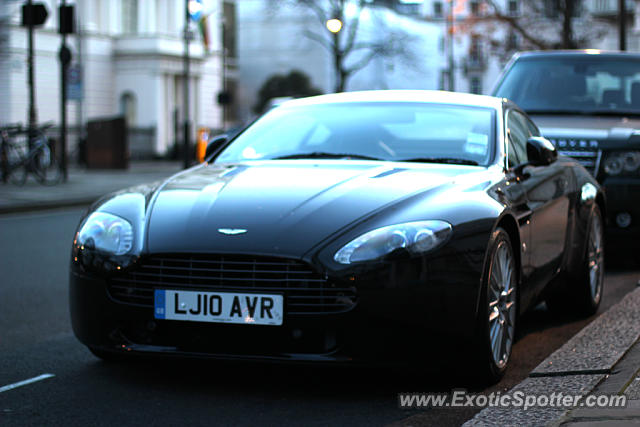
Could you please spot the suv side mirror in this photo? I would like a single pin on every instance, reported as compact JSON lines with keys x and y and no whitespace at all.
{"x":540,"y":151}
{"x":214,"y":145}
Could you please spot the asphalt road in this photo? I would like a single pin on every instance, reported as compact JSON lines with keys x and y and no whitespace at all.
{"x":36,"y":339}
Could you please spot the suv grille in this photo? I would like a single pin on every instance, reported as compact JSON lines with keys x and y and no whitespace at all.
{"x":305,"y":291}
{"x":589,"y":159}
{"x":585,"y":152}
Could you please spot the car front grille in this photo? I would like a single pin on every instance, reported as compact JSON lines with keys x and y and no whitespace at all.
{"x":304,"y":290}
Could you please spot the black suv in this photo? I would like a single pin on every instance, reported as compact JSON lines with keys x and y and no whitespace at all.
{"x":588,"y":104}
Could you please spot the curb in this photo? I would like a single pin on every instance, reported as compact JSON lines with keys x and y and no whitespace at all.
{"x":43,"y":206}
{"x":583,"y":364}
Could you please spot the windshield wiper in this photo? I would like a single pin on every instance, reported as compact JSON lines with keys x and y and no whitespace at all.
{"x":449,"y":160}
{"x":324,"y":155}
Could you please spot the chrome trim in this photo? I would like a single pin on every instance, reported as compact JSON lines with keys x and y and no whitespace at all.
{"x":597,"y":167}
{"x":232,"y":231}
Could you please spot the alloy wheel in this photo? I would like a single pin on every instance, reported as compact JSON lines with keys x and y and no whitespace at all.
{"x":502,"y":304}
{"x":595,"y":258}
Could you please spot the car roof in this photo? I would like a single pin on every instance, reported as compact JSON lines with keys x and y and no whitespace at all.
{"x":608,"y":54}
{"x":425,"y":96}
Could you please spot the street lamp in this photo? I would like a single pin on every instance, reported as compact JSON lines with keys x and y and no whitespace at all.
{"x":334,"y":25}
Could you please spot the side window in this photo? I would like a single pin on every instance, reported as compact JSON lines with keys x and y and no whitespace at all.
{"x":533,"y":129}
{"x":518,"y":132}
{"x":512,"y":156}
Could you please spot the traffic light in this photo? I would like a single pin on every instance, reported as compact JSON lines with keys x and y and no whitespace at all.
{"x":34,"y":14}
{"x":66,"y":24}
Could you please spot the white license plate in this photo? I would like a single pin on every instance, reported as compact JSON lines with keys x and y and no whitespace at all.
{"x":218,"y":307}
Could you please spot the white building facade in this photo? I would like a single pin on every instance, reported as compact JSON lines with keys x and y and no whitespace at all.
{"x":128,"y":58}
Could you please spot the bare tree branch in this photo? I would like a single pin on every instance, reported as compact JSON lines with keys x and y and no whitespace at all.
{"x":319,"y":39}
{"x":349,"y":51}
{"x":514,"y":23}
{"x":361,"y":63}
{"x":540,"y":27}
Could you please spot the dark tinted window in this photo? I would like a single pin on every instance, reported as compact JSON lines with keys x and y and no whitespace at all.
{"x":590,"y":83}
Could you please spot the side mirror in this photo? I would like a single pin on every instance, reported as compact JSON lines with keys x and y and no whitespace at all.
{"x":215,"y":144}
{"x":540,"y":151}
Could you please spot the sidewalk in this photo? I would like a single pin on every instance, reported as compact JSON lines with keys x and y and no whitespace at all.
{"x":82,"y":187}
{"x":603,"y":359}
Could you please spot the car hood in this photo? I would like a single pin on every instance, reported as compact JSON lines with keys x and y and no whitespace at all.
{"x":598,"y":128}
{"x":285,"y":207}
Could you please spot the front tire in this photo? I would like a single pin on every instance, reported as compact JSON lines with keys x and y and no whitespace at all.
{"x":498,"y":307}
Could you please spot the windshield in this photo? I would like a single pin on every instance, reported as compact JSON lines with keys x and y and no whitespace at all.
{"x":590,"y":84}
{"x":379,"y":131}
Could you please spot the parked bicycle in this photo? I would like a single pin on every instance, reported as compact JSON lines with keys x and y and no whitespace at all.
{"x":23,"y":151}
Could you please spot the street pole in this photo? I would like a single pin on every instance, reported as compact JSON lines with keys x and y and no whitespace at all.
{"x":337,"y":62}
{"x":185,"y":78}
{"x":224,"y":71}
{"x":65,"y":59}
{"x":33,"y":118}
{"x":622,"y":23}
{"x":451,"y":71}
{"x":334,"y":25}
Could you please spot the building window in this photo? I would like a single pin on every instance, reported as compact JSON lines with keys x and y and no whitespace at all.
{"x":578,"y":8}
{"x":513,"y":8}
{"x":229,"y":30}
{"x":556,"y":8}
{"x":513,"y":43}
{"x":128,"y":108}
{"x":475,"y":85}
{"x":129,"y":16}
{"x":475,"y":7}
{"x":437,"y":9}
{"x":475,"y":51}
{"x":551,"y":8}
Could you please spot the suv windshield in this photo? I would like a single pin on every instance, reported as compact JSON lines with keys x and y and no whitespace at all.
{"x":587,"y":84}
{"x":379,"y":131}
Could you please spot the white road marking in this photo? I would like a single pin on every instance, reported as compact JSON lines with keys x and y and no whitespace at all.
{"x":26,"y":382}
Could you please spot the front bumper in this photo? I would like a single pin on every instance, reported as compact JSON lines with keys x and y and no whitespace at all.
{"x":622,"y":196}
{"x":414,"y":317}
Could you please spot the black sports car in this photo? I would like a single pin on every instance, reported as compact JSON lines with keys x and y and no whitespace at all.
{"x":345,"y":228}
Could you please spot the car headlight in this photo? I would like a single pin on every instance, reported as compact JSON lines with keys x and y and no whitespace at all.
{"x":628,"y":161}
{"x":106,"y":233}
{"x":415,"y":237}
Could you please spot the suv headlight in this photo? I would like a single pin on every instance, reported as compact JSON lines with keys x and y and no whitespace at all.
{"x":415,"y":237}
{"x":626,"y":161}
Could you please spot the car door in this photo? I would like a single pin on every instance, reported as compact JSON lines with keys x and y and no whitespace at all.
{"x":547,"y":192}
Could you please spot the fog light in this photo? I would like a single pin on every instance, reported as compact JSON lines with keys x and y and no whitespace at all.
{"x":623,"y":219}
{"x":613,"y":166}
{"x":631,"y":161}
